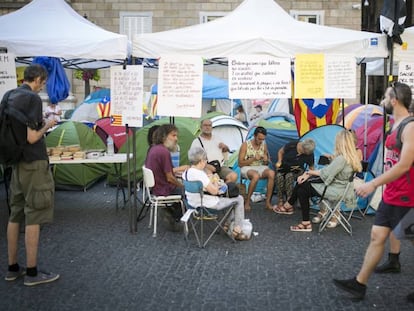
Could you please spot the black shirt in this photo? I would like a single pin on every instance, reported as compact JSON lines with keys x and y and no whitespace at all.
{"x":291,"y":158}
{"x":30,"y":104}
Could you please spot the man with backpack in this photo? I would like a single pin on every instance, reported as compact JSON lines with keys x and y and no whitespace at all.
{"x":32,"y":185}
{"x":398,"y":195}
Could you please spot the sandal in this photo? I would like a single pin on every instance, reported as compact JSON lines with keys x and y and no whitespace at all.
{"x":301,"y":227}
{"x":318,"y":218}
{"x":332,"y":224}
{"x":283,"y":209}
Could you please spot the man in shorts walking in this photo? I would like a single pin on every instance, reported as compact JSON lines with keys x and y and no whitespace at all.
{"x":398,"y":195}
{"x":32,"y":186}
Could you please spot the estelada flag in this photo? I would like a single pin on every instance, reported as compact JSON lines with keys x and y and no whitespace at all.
{"x":104,"y":107}
{"x":314,"y":112}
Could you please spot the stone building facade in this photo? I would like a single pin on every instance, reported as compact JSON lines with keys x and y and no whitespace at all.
{"x":161,"y":15}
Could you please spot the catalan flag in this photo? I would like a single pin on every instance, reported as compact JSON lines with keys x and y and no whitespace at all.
{"x":311,"y":113}
{"x":116,"y":120}
{"x":104,"y":107}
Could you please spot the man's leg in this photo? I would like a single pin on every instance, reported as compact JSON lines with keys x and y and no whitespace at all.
{"x":270,"y":175}
{"x":14,"y":271}
{"x":12,"y":242}
{"x":254,"y":178}
{"x":374,"y":252}
{"x":32,"y":244}
{"x":392,"y":265}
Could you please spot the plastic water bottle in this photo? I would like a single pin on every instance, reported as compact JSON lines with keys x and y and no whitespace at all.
{"x":110,"y":146}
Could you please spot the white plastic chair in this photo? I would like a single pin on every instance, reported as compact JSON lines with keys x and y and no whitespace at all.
{"x":154,"y":200}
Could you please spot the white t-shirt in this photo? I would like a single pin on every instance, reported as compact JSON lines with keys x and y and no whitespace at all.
{"x":194,"y":198}
{"x":211,"y":146}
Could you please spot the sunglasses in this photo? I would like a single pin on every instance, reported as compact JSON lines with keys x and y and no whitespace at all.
{"x":394,"y":89}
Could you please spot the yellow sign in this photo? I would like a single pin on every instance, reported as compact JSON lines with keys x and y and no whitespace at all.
{"x":310,"y":76}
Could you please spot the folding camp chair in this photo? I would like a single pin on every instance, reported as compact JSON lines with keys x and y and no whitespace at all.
{"x":198,"y":215}
{"x":156,"y":201}
{"x":334,"y":209}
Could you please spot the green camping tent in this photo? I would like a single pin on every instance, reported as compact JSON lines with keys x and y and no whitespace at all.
{"x":76,"y":176}
{"x":188,"y":129}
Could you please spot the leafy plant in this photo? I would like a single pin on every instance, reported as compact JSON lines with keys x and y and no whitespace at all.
{"x":87,"y":74}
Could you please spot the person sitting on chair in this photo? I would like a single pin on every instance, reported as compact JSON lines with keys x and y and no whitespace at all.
{"x":253,"y":162}
{"x":334,"y":179}
{"x":215,"y":150}
{"x":291,"y":160}
{"x":198,"y":160}
{"x":159,"y":161}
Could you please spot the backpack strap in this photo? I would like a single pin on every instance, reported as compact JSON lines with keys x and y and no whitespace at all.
{"x":401,"y":126}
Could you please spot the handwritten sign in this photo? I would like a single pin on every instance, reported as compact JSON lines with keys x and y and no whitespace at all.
{"x":325,"y":76}
{"x":259,"y":77}
{"x":406,"y":74}
{"x":8,"y":77}
{"x":180,"y":83}
{"x":340,"y":76}
{"x":127,"y":95}
{"x":309,"y":76}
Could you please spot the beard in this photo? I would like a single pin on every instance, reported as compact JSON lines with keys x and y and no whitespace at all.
{"x":170,"y":145}
{"x":388,"y":108}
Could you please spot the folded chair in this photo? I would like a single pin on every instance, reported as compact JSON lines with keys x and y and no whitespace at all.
{"x":198,"y":216}
{"x":334,"y":209}
{"x":155,"y":201}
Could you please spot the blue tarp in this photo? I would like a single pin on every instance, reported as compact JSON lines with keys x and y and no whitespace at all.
{"x":57,"y":84}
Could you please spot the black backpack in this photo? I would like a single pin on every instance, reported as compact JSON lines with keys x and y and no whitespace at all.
{"x":11,"y":146}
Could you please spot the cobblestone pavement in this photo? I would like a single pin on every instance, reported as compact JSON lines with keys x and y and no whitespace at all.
{"x":105,"y":267}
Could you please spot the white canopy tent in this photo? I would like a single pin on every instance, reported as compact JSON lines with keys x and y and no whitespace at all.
{"x":259,"y":27}
{"x":52,"y":28}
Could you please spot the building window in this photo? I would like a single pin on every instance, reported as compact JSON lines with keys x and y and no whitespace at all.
{"x":314,"y":17}
{"x":133,"y":23}
{"x":210,"y":16}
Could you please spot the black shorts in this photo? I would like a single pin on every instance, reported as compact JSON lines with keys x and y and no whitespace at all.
{"x":389,"y":215}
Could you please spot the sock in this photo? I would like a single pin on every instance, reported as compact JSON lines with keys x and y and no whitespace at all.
{"x":14,"y":267}
{"x":31,"y":271}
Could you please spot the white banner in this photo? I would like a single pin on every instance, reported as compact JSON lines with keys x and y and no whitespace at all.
{"x":340,"y":76}
{"x":180,"y":84}
{"x":127,"y":95}
{"x":406,"y":74}
{"x":8,"y":78}
{"x":252,"y":77}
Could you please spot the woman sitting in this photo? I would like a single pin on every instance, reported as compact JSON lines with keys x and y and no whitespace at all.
{"x":198,"y":160}
{"x":334,"y":176}
{"x":291,"y":160}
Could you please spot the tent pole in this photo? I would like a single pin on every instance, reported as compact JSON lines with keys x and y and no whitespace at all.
{"x":366,"y":118}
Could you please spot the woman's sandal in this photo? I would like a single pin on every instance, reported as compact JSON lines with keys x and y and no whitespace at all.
{"x":318,"y":218}
{"x":283,"y":209}
{"x":301,"y":227}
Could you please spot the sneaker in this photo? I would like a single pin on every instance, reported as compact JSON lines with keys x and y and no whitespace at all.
{"x":13,"y":275}
{"x":389,"y":267}
{"x":40,"y":278}
{"x":357,"y":290}
{"x":410,"y":297}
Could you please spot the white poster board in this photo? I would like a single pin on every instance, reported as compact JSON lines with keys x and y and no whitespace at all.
{"x":180,"y":84}
{"x":340,"y":76}
{"x":8,"y":77}
{"x":127,"y":95}
{"x":406,"y":74}
{"x":252,"y":77}
{"x":325,"y":76}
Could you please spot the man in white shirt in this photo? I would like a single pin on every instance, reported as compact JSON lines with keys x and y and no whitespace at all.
{"x":215,"y":150}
